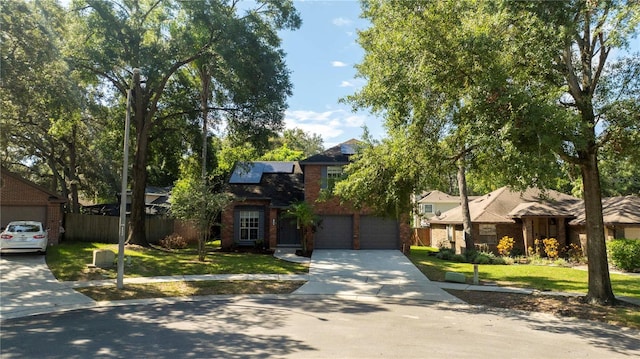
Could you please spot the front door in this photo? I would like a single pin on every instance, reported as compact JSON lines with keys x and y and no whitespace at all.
{"x":288,"y":232}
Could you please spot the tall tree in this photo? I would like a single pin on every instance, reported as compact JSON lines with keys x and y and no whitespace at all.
{"x":428,"y":66}
{"x":567,"y":46}
{"x":42,"y":126}
{"x":309,"y":143}
{"x":160,"y":37}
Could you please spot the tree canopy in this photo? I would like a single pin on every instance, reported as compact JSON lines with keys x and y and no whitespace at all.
{"x":160,"y":38}
{"x":517,"y":91}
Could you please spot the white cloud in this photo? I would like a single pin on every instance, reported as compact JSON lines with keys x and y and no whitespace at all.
{"x":347,"y":84}
{"x":341,"y":21}
{"x":338,"y":64}
{"x":331,"y":125}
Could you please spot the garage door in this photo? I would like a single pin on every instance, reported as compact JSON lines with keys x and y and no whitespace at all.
{"x":23,"y":213}
{"x":632,"y":233}
{"x":335,"y":232}
{"x":378,"y":233}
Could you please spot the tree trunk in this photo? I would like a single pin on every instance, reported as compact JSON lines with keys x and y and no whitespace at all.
{"x":204,"y":108}
{"x":137,"y":233}
{"x":464,"y":203}
{"x":73,"y":172}
{"x":599,"y":281}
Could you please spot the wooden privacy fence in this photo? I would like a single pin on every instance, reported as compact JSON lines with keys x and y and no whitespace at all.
{"x":421,"y":237}
{"x":105,"y":229}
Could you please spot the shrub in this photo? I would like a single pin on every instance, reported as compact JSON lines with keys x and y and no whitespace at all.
{"x":482,"y":258}
{"x":551,"y":248}
{"x":625,"y":254}
{"x":505,"y":260}
{"x":174,"y":241}
{"x":535,"y":250}
{"x":458,"y":258}
{"x":505,"y":246}
{"x":445,"y":254}
{"x":574,"y":253}
{"x":488,"y":258}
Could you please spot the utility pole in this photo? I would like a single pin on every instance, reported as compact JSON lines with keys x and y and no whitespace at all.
{"x":123,"y":193}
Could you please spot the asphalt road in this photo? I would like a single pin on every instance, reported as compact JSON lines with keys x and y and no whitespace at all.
{"x":309,"y":327}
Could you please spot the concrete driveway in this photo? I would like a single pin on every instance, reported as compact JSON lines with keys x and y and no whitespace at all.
{"x":27,"y":287}
{"x":369,"y":273}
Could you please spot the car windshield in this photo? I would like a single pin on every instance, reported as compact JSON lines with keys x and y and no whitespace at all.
{"x":24,"y":228}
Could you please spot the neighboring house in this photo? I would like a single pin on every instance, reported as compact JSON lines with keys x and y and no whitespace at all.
{"x":524,"y":216}
{"x":428,"y":205}
{"x":621,"y":217}
{"x":264,"y":191}
{"x":21,"y":199}
{"x":431,"y":204}
{"x":156,"y":203}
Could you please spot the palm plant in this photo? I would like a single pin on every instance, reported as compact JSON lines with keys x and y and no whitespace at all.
{"x":305,"y":219}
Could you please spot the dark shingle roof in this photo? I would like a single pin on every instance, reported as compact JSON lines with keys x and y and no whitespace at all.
{"x":615,"y":210}
{"x":335,"y":155}
{"x":505,"y":204}
{"x":281,"y":188}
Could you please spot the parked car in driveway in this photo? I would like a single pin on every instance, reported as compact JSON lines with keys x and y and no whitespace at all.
{"x":24,"y":236}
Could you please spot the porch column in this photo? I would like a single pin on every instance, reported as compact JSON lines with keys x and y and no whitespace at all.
{"x":272,"y":224}
{"x":562,"y":232}
{"x":527,"y":234}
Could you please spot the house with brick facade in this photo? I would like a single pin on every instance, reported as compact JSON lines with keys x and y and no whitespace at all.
{"x":21,"y":199}
{"x":525,"y":216}
{"x":620,"y":215}
{"x":263,"y":191}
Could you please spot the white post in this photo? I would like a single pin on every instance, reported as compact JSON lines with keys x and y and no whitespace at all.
{"x":123,"y":194}
{"x":475,"y":275}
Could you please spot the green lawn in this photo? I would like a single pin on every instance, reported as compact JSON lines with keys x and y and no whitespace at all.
{"x":69,"y":260}
{"x":551,"y":278}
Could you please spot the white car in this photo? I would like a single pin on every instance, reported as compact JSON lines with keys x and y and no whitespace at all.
{"x":24,"y":236}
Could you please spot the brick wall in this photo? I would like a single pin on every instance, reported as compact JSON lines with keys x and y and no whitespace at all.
{"x":226,"y":232}
{"x":18,"y":192}
{"x":333,"y":206}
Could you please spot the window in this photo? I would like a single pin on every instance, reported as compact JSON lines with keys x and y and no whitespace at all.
{"x":249,"y":225}
{"x":426,"y":208}
{"x":450,"y":233}
{"x":333,"y":175}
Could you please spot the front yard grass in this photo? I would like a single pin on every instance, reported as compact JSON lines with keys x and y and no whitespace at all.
{"x":69,"y":261}
{"x":543,"y":278}
{"x":189,"y":289}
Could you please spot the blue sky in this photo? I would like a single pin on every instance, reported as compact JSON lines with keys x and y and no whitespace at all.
{"x":321,"y":56}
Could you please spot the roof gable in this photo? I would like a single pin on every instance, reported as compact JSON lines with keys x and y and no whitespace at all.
{"x":615,"y":210}
{"x":504,"y":204}
{"x":339,"y":154}
{"x":438,"y":197}
{"x":49,"y":195}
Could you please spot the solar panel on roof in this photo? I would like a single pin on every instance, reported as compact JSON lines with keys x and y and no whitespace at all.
{"x":247,"y":173}
{"x":347,"y":149}
{"x":278,"y":167}
{"x":251,"y":173}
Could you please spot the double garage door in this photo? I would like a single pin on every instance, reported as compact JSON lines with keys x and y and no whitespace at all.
{"x":23,"y":213}
{"x":336,"y":232}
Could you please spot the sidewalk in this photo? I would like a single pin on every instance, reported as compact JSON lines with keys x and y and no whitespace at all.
{"x":29,"y":288}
